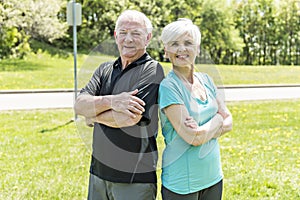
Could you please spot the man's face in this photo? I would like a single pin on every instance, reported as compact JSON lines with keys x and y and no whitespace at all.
{"x":132,"y":39}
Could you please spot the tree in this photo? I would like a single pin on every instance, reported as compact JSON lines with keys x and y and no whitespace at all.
{"x":29,"y":19}
{"x":220,"y":38}
{"x":289,"y":32}
{"x":270,"y":30}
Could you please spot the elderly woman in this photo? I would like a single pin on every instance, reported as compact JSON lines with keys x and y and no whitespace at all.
{"x":193,"y":117}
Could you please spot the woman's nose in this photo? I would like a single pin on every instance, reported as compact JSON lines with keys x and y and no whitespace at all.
{"x":181,"y":48}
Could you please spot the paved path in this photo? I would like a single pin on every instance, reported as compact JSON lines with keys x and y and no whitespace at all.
{"x":13,"y":100}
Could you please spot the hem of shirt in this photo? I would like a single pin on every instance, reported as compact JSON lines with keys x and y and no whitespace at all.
{"x":116,"y":180}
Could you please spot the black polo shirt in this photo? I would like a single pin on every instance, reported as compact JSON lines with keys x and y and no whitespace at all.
{"x":127,"y":155}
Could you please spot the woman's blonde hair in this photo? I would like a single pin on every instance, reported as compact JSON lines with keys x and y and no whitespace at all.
{"x":177,"y":28}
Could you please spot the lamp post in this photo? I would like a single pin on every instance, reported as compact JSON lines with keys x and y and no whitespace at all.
{"x":74,"y":19}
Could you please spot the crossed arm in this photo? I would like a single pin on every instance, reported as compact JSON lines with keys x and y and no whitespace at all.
{"x":189,"y":130}
{"x":121,"y":110}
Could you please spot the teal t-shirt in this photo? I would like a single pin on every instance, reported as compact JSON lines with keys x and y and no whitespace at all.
{"x":186,"y":168}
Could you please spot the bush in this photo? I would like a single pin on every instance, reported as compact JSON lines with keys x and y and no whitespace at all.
{"x":13,"y":43}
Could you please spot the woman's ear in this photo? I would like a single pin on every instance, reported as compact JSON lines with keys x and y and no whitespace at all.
{"x":166,"y":54}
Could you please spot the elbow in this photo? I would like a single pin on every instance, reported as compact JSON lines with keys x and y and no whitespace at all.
{"x":76,"y":108}
{"x":196,"y":143}
{"x":79,"y":108}
{"x":132,"y":121}
{"x":199,"y":139}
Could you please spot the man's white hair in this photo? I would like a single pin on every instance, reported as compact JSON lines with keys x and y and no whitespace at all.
{"x":135,"y":16}
{"x":177,"y":28}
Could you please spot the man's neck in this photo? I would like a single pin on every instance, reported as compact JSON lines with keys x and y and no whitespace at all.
{"x":127,"y":61}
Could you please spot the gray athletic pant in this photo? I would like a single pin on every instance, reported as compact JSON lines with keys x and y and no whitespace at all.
{"x":100,"y":189}
{"x":212,"y":193}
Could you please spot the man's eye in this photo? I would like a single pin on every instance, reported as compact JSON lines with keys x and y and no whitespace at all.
{"x":174,"y":44}
{"x":136,"y":33}
{"x":122,"y":33}
{"x":188,"y":43}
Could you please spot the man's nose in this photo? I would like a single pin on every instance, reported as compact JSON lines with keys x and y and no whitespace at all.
{"x":128,"y":37}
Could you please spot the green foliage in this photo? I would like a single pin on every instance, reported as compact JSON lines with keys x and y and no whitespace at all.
{"x":21,"y":21}
{"x":251,"y":32}
{"x":13,"y":43}
{"x":270,"y":31}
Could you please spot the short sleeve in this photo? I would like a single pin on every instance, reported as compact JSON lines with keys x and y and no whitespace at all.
{"x":169,"y":94}
{"x":100,"y":76}
{"x":148,"y":85}
{"x":94,"y":85}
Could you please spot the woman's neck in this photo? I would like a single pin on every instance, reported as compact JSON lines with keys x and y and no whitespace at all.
{"x":185,"y":73}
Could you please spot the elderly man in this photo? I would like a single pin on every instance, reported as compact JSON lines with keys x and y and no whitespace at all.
{"x":121,"y":101}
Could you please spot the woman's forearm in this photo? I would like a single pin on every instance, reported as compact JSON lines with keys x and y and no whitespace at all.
{"x":207,"y":131}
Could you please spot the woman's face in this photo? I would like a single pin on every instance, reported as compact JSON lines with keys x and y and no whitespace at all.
{"x":182,"y":52}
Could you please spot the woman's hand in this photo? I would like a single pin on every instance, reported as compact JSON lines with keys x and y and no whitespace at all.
{"x":190,"y":122}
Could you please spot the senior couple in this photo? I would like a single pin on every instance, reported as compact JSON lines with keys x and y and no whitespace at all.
{"x":123,"y":100}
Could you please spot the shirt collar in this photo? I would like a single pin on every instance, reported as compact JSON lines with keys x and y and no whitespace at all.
{"x":143,"y":59}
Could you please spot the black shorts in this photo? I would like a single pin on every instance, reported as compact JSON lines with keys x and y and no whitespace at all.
{"x":212,"y":193}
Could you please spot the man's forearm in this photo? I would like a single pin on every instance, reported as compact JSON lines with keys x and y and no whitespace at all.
{"x":115,"y":119}
{"x":90,"y":106}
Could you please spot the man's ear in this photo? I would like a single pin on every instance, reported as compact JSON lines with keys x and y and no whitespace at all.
{"x":198,"y":50}
{"x":149,"y":36}
{"x":115,"y":36}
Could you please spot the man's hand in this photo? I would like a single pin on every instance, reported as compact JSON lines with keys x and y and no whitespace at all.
{"x":128,"y":103}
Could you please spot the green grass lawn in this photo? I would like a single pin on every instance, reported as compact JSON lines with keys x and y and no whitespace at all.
{"x":43,"y":156}
{"x":43,"y":71}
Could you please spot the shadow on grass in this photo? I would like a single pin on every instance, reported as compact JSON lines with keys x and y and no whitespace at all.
{"x":56,"y":127}
{"x":38,"y":47}
{"x":14,"y":65}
